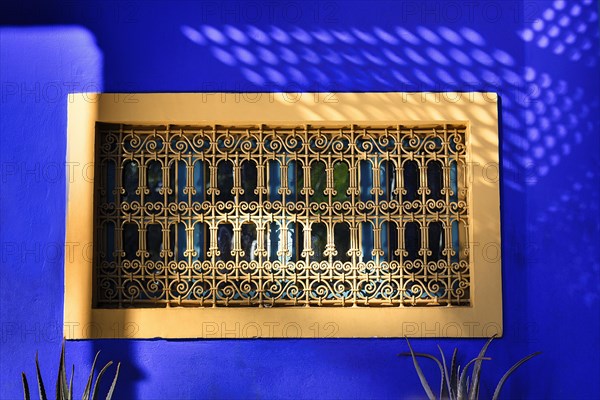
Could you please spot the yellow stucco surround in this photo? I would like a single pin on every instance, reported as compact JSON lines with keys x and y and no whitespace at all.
{"x":478,"y":111}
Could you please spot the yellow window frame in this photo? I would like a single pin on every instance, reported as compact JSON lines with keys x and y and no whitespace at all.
{"x":477,"y":111}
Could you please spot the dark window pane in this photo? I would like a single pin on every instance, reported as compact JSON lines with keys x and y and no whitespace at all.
{"x":295,"y":240}
{"x":436,"y":241}
{"x":434,"y":180}
{"x":200,"y":241}
{"x":366,"y":180}
{"x":225,"y":242}
{"x":130,"y":241}
{"x":367,"y":241}
{"x":411,"y":181}
{"x":274,"y":180}
{"x":249,"y":181}
{"x":389,"y":241}
{"x":412,"y":237}
{"x":225,"y":181}
{"x":274,"y":241}
{"x":341,"y":181}
{"x":295,"y":179}
{"x":341,"y":236}
{"x":178,"y":241}
{"x":249,"y":242}
{"x":130,"y":181}
{"x":388,"y":179}
{"x":318,"y":242}
{"x":318,"y":181}
{"x":155,"y":183}
{"x":154,"y":241}
{"x":199,"y":181}
{"x":110,"y":181}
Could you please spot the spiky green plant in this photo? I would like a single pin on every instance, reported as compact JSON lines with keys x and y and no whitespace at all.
{"x":64,"y":391}
{"x":456,"y":385}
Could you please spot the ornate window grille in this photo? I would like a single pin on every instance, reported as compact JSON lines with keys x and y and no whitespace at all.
{"x":315,"y":215}
{"x":272,"y":215}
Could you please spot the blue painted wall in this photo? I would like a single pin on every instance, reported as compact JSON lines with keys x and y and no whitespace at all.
{"x":541,"y":56}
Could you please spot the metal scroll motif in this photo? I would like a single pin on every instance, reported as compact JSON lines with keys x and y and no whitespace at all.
{"x":232,"y":216}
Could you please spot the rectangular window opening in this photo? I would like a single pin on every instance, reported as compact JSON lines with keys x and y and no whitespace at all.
{"x":312,"y":215}
{"x":339,"y":215}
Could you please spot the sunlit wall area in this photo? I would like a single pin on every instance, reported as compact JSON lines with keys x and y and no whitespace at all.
{"x":541,"y":56}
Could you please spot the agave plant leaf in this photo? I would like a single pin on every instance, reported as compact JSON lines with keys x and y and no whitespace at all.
{"x":58,"y":389}
{"x":88,"y":386}
{"x":26,"y":394}
{"x":424,"y":382}
{"x":440,"y":366}
{"x":454,"y":370}
{"x":457,"y":387}
{"x":447,"y":390}
{"x":65,"y":387}
{"x":62,"y":390}
{"x":98,"y":378}
{"x":71,"y":383}
{"x":114,"y":383}
{"x":462,"y":384}
{"x":41,"y":389}
{"x":474,"y":390}
{"x":509,"y":372}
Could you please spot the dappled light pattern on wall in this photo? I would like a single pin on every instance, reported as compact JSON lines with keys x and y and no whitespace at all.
{"x":295,"y":58}
{"x":569,"y":214}
{"x":557,"y":119}
{"x":416,"y":59}
{"x":567,"y":28}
